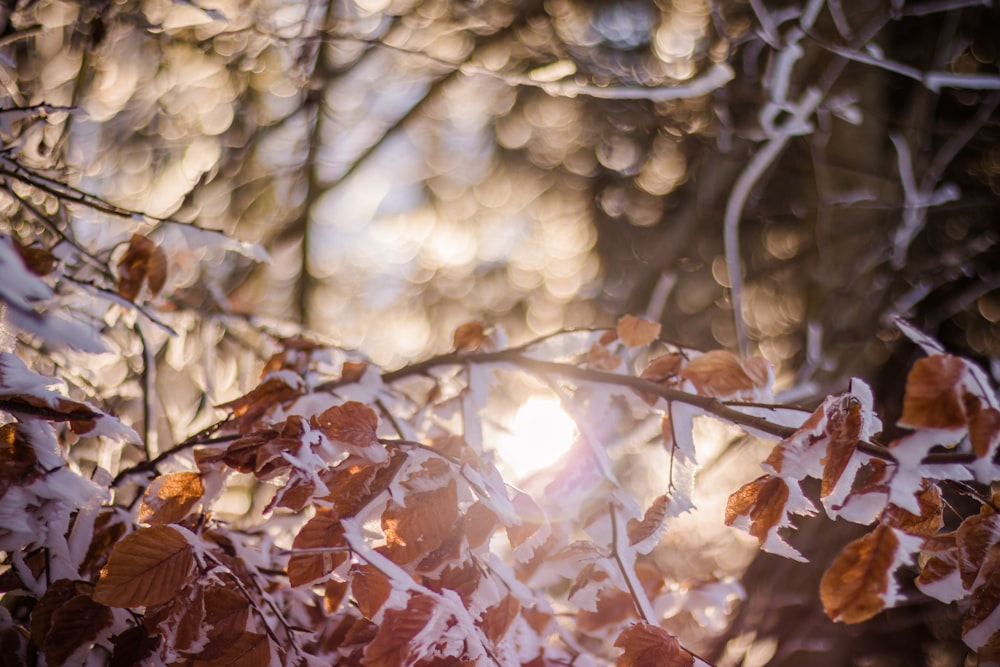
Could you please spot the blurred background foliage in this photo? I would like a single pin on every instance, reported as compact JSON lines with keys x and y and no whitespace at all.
{"x":411,"y":165}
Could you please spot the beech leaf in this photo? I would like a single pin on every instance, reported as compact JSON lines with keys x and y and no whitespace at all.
{"x":854,"y":587}
{"x":647,"y":645}
{"x":651,"y":523}
{"x":146,"y":568}
{"x":635,"y":332}
{"x":370,"y":588}
{"x":720,"y":373}
{"x":323,"y":531}
{"x":352,"y":423}
{"x":496,"y":620}
{"x":249,"y":649}
{"x":74,"y":624}
{"x":170,"y":497}
{"x":932,"y":398}
{"x":143,"y":262}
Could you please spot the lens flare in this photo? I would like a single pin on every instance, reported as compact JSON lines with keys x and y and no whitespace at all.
{"x":540,"y":433}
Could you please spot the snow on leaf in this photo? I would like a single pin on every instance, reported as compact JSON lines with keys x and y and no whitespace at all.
{"x":932,"y":398}
{"x":422,"y":524}
{"x":170,"y":497}
{"x":227,"y":611}
{"x":860,"y":583}
{"x":840,"y":448}
{"x":143,"y":262}
{"x":531,"y":520}
{"x":927,"y":344}
{"x":930,"y":519}
{"x":496,"y":620}
{"x":982,"y":621}
{"x":939,"y":574}
{"x":352,"y":423}
{"x":394,"y":644}
{"x":647,"y":645}
{"x":762,"y":508}
{"x":249,"y":649}
{"x":146,"y":568}
{"x":720,"y":373}
{"x":643,"y":534}
{"x":370,"y":588}
{"x":323,"y":532}
{"x":636,"y":332}
{"x":975,"y":538}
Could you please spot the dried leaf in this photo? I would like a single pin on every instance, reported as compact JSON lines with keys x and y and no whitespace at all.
{"x":74,"y":625}
{"x":146,"y":568}
{"x":353,"y":371}
{"x":663,"y":369}
{"x":469,"y":337}
{"x":143,"y":262}
{"x":370,"y":588}
{"x":651,"y":523}
{"x":133,"y":647}
{"x":647,"y":645}
{"x":928,"y":522}
{"x":352,"y":423}
{"x":932,"y":398}
{"x":479,"y":523}
{"x":248,"y":409}
{"x":939,"y":576}
{"x":531,"y":519}
{"x":496,"y":620}
{"x":38,"y":260}
{"x":422,"y":524}
{"x":635,"y":332}
{"x":840,"y":446}
{"x":602,"y":359}
{"x":227,"y":610}
{"x":249,"y":649}
{"x":984,"y":430}
{"x":763,"y":500}
{"x":56,"y":595}
{"x":982,"y":622}
{"x":392,"y":646}
{"x":853,"y":588}
{"x":333,"y":594}
{"x":975,"y":537}
{"x":170,"y":497}
{"x":719,"y":373}
{"x":17,"y":459}
{"x":324,"y":531}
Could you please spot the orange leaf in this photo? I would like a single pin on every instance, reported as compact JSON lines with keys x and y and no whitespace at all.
{"x":840,"y":447}
{"x":932,"y":398}
{"x":323,"y":531}
{"x":852,"y":588}
{"x":422,"y":524}
{"x":719,"y":373}
{"x":763,"y":500}
{"x":170,"y":497}
{"x":496,"y":620}
{"x":370,"y":588}
{"x":352,"y":423}
{"x":143,"y":262}
{"x":651,"y":522}
{"x":647,"y":645}
{"x":146,"y":568}
{"x":636,"y":332}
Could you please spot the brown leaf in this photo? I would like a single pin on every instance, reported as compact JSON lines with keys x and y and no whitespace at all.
{"x":840,"y":447}
{"x":984,"y":430}
{"x":974,"y":537}
{"x":932,"y":397}
{"x":602,"y":359}
{"x":181,"y":619}
{"x":323,"y":531}
{"x":651,"y":521}
{"x":248,"y":409}
{"x":353,"y":371}
{"x":496,"y":620}
{"x":941,"y":561}
{"x":719,"y":373}
{"x":74,"y":625}
{"x":763,"y":500}
{"x":170,"y":497}
{"x":146,"y":568}
{"x":391,"y":646}
{"x":852,"y":588}
{"x":38,"y":260}
{"x":56,"y":595}
{"x":984,"y":601}
{"x":352,"y":423}
{"x":247,"y":650}
{"x":370,"y":588}
{"x":647,"y":645}
{"x":133,"y":647}
{"x":17,"y":459}
{"x":663,"y":369}
{"x":463,"y":579}
{"x":635,"y":332}
{"x":479,"y":523}
{"x":227,"y":611}
{"x":928,"y":522}
{"x":143,"y":262}
{"x":422,"y":524}
{"x":333,"y":594}
{"x":469,"y":337}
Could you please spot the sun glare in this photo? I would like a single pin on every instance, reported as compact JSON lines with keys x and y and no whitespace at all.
{"x":539,"y":434}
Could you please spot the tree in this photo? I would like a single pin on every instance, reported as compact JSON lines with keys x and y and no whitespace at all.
{"x":194,"y":472}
